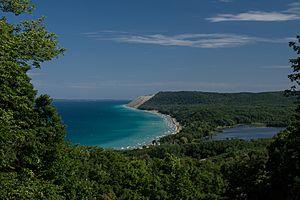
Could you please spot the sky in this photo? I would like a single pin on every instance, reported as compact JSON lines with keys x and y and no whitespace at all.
{"x":120,"y":49}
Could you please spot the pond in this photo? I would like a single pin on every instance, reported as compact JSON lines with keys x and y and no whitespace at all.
{"x":247,"y":133}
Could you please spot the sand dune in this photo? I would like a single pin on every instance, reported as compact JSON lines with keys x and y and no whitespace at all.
{"x":139,"y":101}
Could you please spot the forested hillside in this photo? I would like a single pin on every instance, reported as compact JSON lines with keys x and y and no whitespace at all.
{"x":207,"y":98}
{"x":203,"y":113}
{"x":37,"y":163}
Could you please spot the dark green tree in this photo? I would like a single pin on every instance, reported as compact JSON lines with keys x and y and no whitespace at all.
{"x":31,"y":133}
{"x":284,"y":162}
{"x":295,"y":76}
{"x":16,"y":6}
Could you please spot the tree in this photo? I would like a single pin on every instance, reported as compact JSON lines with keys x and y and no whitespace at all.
{"x":295,"y":76}
{"x":31,"y":132}
{"x":16,"y":6}
{"x":284,"y":162}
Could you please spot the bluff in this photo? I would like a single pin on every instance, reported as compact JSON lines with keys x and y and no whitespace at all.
{"x":139,"y":101}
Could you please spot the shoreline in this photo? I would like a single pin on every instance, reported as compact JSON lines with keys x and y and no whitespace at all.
{"x":173,"y":120}
{"x":166,"y":117}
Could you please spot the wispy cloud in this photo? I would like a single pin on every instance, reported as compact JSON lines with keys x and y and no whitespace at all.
{"x":198,"y":40}
{"x":292,"y":13}
{"x":190,"y":40}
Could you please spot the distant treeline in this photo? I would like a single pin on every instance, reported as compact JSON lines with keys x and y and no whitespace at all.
{"x":202,"y":113}
{"x":207,"y":98}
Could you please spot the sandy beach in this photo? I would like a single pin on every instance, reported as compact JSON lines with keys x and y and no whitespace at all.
{"x":173,"y":124}
{"x":170,"y":119}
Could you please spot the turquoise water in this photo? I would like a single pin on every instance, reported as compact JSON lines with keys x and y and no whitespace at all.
{"x":110,"y":124}
{"x":247,"y":133}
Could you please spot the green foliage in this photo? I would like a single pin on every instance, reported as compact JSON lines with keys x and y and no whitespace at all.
{"x":284,"y":165}
{"x":27,"y":44}
{"x":203,"y":149}
{"x":25,"y":186}
{"x":16,"y":6}
{"x":284,"y":152}
{"x":246,"y":176}
{"x":211,"y":98}
{"x":31,"y":133}
{"x":201,"y":113}
{"x":295,"y":76}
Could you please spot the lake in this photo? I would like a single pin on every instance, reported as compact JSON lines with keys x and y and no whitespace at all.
{"x":247,"y":133}
{"x":110,"y":124}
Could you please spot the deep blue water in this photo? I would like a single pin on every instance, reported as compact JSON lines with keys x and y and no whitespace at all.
{"x":110,"y":124}
{"x":247,"y":133}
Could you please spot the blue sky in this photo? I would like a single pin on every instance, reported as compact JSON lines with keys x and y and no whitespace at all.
{"x":120,"y":49}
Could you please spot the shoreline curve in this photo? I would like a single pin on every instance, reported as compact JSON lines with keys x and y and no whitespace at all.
{"x":136,"y":103}
{"x":168,"y":118}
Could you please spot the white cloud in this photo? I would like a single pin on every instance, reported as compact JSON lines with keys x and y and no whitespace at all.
{"x":292,"y":13}
{"x":198,"y":40}
{"x":294,"y":8}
